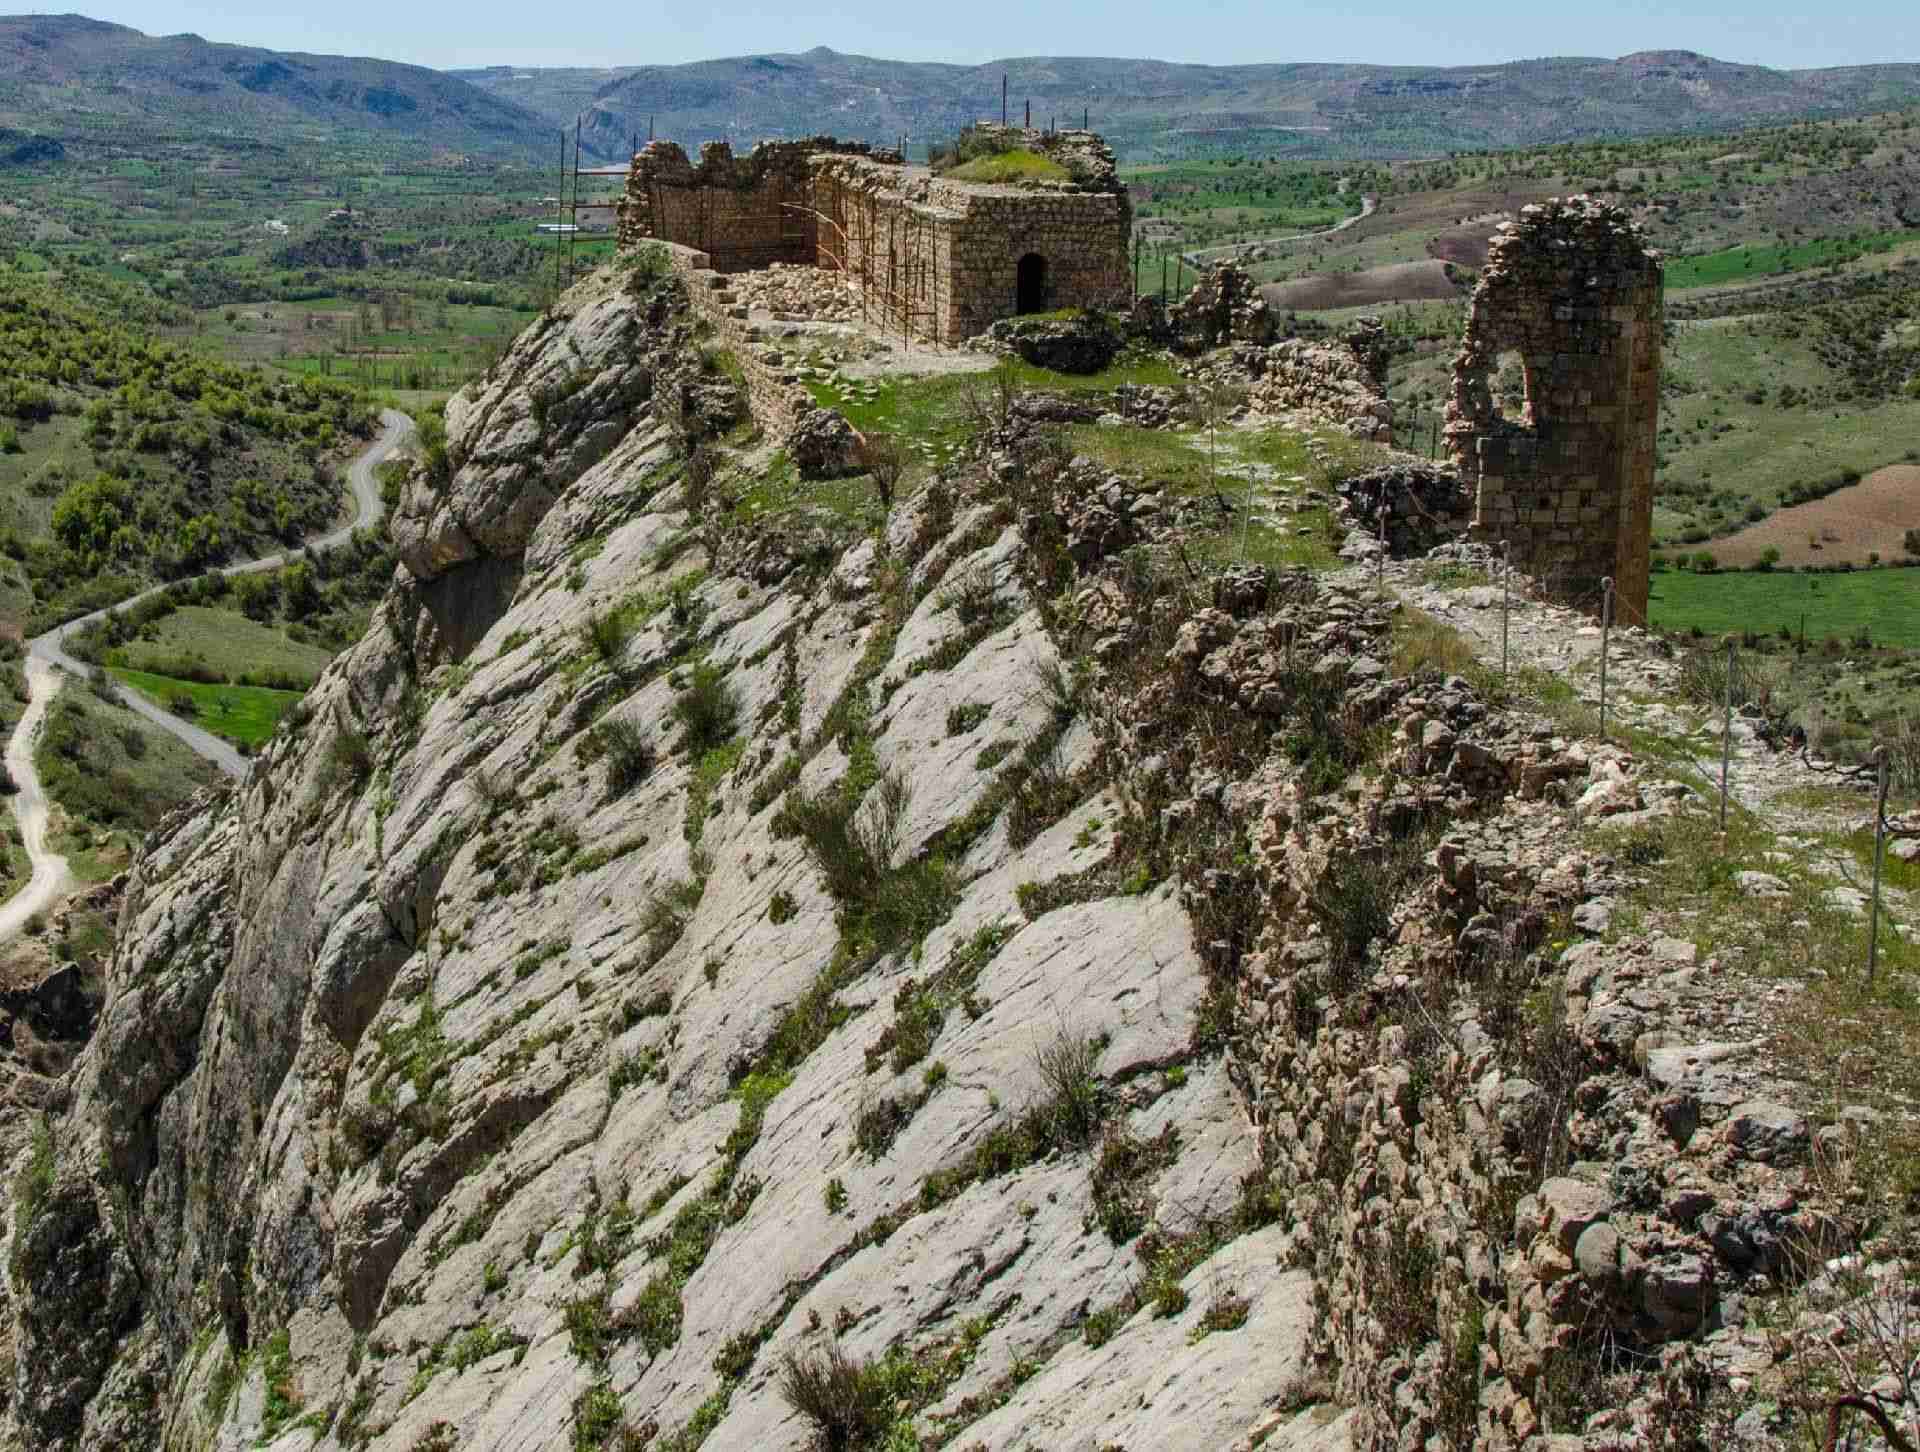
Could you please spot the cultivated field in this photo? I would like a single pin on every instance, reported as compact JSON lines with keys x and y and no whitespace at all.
{"x":1884,"y":602}
{"x":1847,"y":527}
{"x":1397,"y":282}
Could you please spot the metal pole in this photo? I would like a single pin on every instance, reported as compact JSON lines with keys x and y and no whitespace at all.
{"x":1726,"y":741}
{"x":1879,"y":843}
{"x":1380,"y":565}
{"x":559,"y":209}
{"x":573,"y":211}
{"x":1506,"y":594}
{"x":1606,"y":629}
{"x":1003,"y":98}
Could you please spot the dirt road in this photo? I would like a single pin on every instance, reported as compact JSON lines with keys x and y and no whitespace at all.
{"x":47,"y":658}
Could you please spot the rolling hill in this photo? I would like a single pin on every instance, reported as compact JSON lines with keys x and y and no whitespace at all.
{"x":1153,"y":109}
{"x":68,"y":83}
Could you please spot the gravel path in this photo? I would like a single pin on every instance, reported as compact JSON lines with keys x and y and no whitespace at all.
{"x":47,"y":657}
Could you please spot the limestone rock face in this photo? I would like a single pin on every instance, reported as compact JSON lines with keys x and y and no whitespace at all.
{"x":493,"y":1067}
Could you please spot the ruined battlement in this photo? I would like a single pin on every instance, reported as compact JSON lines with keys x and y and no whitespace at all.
{"x":933,"y":256}
{"x":1566,"y":481}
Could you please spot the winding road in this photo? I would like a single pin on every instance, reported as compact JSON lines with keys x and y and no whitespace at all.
{"x":1196,"y":258}
{"x":47,"y":657}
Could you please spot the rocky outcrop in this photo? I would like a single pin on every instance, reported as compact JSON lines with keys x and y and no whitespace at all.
{"x":514,"y":1059}
{"x":1056,"y":994}
{"x":1084,"y":342}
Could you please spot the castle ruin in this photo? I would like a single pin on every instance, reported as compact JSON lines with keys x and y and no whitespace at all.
{"x":932,"y":256}
{"x":1567,"y":482}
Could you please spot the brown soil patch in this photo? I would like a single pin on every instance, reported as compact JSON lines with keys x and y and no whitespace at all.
{"x":1462,"y":246}
{"x":1865,"y":518}
{"x":1401,"y":282}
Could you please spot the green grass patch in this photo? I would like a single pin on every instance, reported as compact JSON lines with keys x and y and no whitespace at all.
{"x":1747,"y":263}
{"x":1018,"y":165}
{"x":245,"y":715}
{"x":1885,"y":603}
{"x":220,"y":642}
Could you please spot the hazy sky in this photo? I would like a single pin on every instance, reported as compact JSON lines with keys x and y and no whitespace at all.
{"x":1402,"y":32}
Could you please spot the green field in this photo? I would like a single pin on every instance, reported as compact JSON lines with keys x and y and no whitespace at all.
{"x":245,"y":715}
{"x":1885,"y":603}
{"x":220,"y":642}
{"x":1747,"y":263}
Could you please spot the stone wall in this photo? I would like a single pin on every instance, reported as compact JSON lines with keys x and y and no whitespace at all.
{"x":774,"y":394}
{"x":936,"y":258}
{"x":1574,"y":289}
{"x":743,"y":212}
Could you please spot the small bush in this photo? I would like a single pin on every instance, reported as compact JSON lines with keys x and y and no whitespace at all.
{"x":608,"y":634}
{"x":884,"y":457}
{"x":962,"y":719}
{"x":846,"y":1405}
{"x":628,"y":750}
{"x":1074,"y":1105}
{"x":878,"y":1123}
{"x":350,"y":753}
{"x":708,"y":709}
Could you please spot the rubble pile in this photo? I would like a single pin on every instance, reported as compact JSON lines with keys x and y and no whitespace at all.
{"x":796,"y":292}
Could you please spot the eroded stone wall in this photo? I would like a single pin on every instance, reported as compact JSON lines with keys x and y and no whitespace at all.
{"x":743,"y":212}
{"x":1573,"y":288}
{"x":935,"y":258}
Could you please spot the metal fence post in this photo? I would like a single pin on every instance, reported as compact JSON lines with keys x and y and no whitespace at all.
{"x":1726,"y":740}
{"x":1879,"y":845}
{"x":1606,"y":632}
{"x":1506,"y":593}
{"x":1380,"y":566}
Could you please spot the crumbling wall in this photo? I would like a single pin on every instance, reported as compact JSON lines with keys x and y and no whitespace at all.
{"x":743,"y":212}
{"x":1568,"y":485}
{"x":935,"y":258}
{"x":820,"y":440}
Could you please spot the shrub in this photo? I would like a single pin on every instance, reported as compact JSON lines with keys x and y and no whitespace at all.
{"x":884,"y":457}
{"x":846,"y":1404}
{"x":627,"y":748}
{"x":350,"y":753}
{"x":708,"y":708}
{"x":607,"y":634}
{"x":1074,"y":1105}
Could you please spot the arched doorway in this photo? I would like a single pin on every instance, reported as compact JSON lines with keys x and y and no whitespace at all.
{"x":1030,"y":284}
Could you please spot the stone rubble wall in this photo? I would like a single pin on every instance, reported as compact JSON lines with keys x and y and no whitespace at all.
{"x":1574,"y":288}
{"x":775,"y":396}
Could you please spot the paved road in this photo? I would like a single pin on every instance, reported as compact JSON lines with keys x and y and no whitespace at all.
{"x":47,"y":657}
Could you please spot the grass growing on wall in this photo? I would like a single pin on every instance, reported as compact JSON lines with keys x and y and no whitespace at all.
{"x":1018,"y":165}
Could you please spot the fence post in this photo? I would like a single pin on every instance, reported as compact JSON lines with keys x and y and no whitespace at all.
{"x":1879,"y":845}
{"x":1726,"y":740}
{"x":1380,"y":565}
{"x":1606,"y":633}
{"x":1506,"y":593}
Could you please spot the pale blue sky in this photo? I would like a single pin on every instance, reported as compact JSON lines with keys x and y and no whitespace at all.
{"x":1396,"y":32}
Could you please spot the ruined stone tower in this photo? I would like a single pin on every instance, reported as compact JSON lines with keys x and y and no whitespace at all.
{"x":1565,"y":478}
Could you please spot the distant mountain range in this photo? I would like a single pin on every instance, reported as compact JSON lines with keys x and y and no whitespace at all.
{"x":1155,"y":109}
{"x":68,"y":82}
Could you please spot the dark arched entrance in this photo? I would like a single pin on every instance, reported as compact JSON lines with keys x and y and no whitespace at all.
{"x":1030,"y":284}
